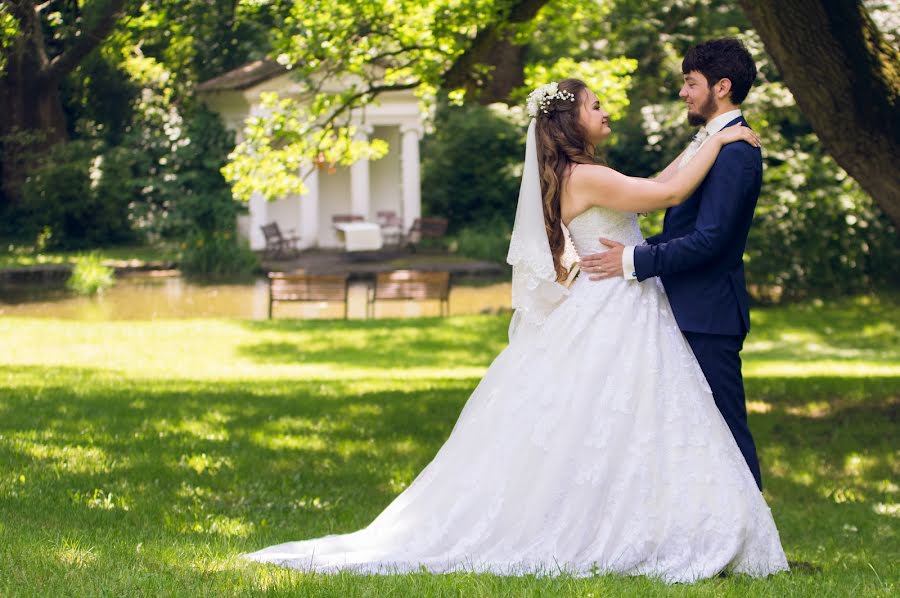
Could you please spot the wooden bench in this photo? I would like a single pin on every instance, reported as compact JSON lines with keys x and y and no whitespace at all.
{"x":401,"y":285}
{"x":431,"y":227}
{"x":277,"y":244}
{"x":307,"y":287}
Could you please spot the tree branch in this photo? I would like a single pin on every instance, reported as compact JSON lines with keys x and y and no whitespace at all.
{"x":387,"y":54}
{"x":89,"y":39}
{"x":490,"y":46}
{"x":43,"y":5}
{"x":20,"y":8}
{"x":372,"y":90}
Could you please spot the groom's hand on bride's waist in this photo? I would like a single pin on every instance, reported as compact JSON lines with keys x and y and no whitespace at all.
{"x":607,"y":264}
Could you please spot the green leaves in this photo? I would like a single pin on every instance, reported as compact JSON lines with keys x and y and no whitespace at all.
{"x":342,"y":55}
{"x":609,"y":79}
{"x":471,"y":166}
{"x":9,"y":29}
{"x":90,"y":276}
{"x":281,"y":145}
{"x":394,"y":41}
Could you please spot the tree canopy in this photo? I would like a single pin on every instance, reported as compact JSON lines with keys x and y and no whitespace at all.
{"x":116,"y":78}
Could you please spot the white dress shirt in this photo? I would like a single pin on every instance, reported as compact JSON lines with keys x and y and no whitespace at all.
{"x":711,"y":128}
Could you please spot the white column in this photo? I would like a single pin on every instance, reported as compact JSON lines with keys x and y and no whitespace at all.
{"x":412,"y":195}
{"x":360,"y":200}
{"x":258,"y":217}
{"x":309,"y":210}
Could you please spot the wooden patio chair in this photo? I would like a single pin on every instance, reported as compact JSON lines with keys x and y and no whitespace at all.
{"x":391,"y":226}
{"x":432,"y":227}
{"x":278,"y":245}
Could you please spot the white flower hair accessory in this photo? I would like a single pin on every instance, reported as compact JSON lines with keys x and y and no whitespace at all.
{"x":539,"y":99}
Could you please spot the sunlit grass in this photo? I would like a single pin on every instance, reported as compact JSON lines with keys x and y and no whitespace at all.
{"x":139,"y":458}
{"x":12,"y":256}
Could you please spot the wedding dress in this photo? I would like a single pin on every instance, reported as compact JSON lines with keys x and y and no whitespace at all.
{"x":591,"y":445}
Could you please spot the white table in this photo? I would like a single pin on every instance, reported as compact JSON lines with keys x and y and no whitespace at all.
{"x":359,"y":236}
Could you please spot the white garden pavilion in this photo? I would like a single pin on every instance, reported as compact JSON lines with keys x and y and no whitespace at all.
{"x":365,"y":188}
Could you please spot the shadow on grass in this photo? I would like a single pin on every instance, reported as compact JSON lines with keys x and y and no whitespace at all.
{"x":861,"y":328}
{"x":262,"y":446}
{"x":236,"y":465}
{"x":385,"y":343}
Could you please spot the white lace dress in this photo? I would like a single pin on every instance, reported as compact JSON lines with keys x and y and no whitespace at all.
{"x":594,"y":446}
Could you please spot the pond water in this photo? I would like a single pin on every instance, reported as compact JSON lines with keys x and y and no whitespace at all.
{"x":164,"y":295}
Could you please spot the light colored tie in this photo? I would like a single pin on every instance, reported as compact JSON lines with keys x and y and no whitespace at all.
{"x":694,"y":146}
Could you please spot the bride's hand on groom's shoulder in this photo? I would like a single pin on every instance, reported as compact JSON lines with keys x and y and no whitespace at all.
{"x":738,"y":132}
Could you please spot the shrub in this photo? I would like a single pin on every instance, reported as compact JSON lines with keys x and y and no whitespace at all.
{"x":484,"y":241}
{"x":217,"y":255}
{"x":205,"y":214}
{"x":471,"y":166}
{"x":90,"y":276}
{"x":817,"y":233}
{"x":80,"y":195}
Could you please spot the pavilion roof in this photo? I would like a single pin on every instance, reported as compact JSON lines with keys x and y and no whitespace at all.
{"x":244,"y":76}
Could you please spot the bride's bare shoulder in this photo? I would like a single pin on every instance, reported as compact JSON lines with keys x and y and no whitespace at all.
{"x":591,"y":175}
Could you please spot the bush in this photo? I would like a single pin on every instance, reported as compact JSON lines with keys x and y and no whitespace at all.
{"x":183,"y":191}
{"x":90,"y":194}
{"x":205,"y":214}
{"x":471,"y":166}
{"x":217,"y":255}
{"x":90,"y":276}
{"x":80,"y":195}
{"x":817,"y":233}
{"x":485,"y":241}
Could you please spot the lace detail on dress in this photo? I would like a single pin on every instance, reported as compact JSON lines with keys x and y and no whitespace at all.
{"x":586,"y":228}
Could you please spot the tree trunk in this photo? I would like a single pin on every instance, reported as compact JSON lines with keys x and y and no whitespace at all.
{"x":31,"y":115}
{"x":846,"y":79}
{"x":493,"y":48}
{"x":31,"y":112}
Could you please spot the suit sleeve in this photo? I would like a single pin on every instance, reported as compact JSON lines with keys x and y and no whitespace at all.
{"x":724,"y":192}
{"x":654,"y":239}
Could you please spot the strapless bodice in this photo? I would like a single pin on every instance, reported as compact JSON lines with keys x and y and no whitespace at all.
{"x":586,"y":228}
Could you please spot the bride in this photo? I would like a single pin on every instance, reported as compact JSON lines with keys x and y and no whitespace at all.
{"x":592,"y":444}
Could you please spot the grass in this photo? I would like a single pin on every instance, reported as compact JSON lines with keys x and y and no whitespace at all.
{"x":21,"y":257}
{"x":138,"y":458}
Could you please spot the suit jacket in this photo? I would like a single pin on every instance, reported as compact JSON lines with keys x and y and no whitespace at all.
{"x":698,"y":256}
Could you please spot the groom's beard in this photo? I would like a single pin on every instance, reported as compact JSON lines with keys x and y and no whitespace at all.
{"x":701,"y":117}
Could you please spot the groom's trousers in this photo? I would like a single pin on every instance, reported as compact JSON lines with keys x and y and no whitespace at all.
{"x":720,"y":359}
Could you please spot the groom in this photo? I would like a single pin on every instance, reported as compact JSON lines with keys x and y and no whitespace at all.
{"x":698,"y":254}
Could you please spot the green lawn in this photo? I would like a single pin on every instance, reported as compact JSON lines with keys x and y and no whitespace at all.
{"x":138,"y":458}
{"x":20,"y":257}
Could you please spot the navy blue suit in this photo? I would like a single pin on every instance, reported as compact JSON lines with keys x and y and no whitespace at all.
{"x":698,"y":257}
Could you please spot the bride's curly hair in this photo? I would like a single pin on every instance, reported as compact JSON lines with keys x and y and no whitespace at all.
{"x":561,"y":141}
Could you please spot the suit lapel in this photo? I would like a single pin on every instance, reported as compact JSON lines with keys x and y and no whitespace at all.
{"x":666,"y":218}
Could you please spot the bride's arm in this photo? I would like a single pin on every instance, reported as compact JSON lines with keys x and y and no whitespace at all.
{"x":605,"y":187}
{"x":670,"y":170}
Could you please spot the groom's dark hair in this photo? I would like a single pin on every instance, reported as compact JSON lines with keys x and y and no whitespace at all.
{"x":725,"y":58}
